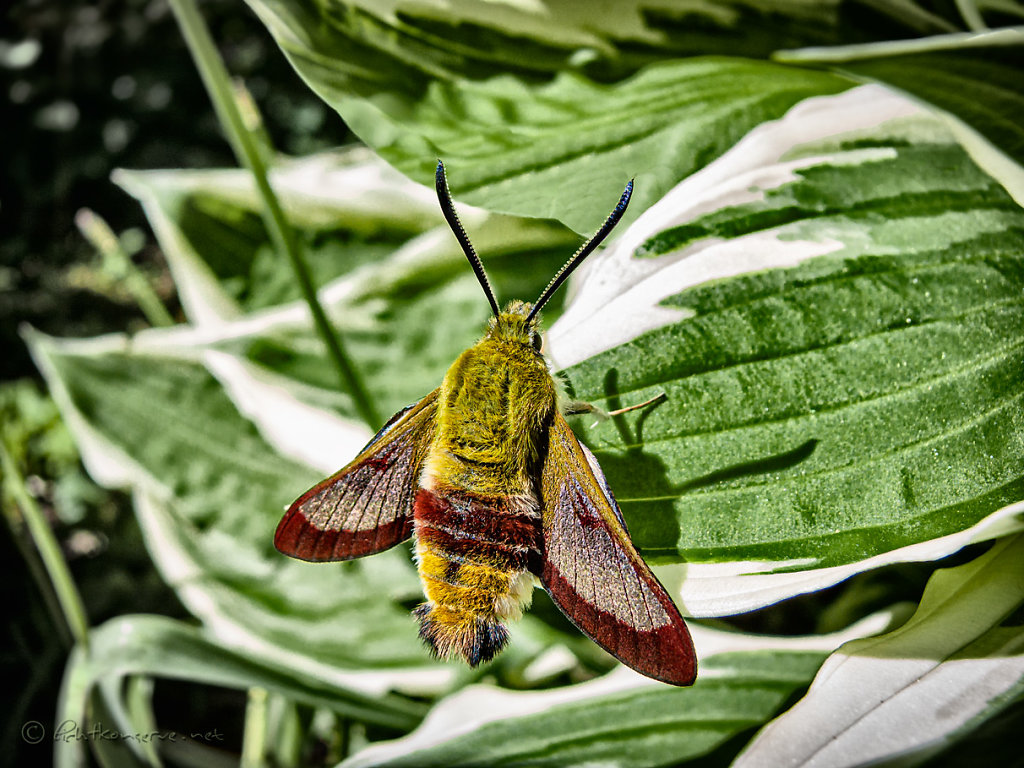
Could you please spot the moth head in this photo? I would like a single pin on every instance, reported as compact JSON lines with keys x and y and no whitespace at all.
{"x":519,"y":320}
{"x":516,"y":324}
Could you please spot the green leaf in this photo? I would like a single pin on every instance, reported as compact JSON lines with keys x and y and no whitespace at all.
{"x":643,"y":727}
{"x":957,"y":663}
{"x":506,"y":136}
{"x":209,"y":494}
{"x":162,"y":647}
{"x":861,"y":398}
{"x":348,"y":208}
{"x":980,"y":86}
{"x":406,"y":321}
{"x":621,"y":719}
{"x":580,"y":141}
{"x":548,"y":95}
{"x":365,"y":46}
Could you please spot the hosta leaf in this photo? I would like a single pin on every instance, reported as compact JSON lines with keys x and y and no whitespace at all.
{"x":509,"y":135}
{"x":535,"y":39}
{"x":979,"y":85}
{"x":908,"y":694}
{"x":209,"y":493}
{"x":581,"y":141}
{"x":548,"y":93}
{"x":404,"y":320}
{"x":408,"y":320}
{"x":665,"y":726}
{"x":394,"y":280}
{"x":186,"y":423}
{"x":348,"y":208}
{"x":160,"y":647}
{"x":622,"y":719}
{"x":861,"y":398}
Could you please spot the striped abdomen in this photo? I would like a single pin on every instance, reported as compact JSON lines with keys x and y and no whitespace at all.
{"x":473,"y":554}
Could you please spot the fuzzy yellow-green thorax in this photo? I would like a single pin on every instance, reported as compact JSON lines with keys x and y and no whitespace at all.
{"x":477,"y":516}
{"x":493,"y":402}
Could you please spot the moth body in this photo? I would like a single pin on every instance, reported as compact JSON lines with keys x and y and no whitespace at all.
{"x":477,"y":515}
{"x":499,"y":494}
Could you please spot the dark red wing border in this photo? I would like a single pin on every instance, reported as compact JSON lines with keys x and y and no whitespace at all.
{"x":365,"y":507}
{"x":665,"y":653}
{"x":297,"y":537}
{"x":595,"y":575}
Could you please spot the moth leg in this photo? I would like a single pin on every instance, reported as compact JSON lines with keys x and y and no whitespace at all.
{"x":577,"y":407}
{"x":657,"y":398}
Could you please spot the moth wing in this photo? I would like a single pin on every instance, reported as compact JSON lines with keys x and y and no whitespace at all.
{"x":366,"y":506}
{"x":594,"y":573}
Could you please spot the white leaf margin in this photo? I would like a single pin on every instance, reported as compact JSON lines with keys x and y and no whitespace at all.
{"x":725,"y":589}
{"x":478,"y":705}
{"x":611,"y":284}
{"x":890,"y":696}
{"x":353,"y":187}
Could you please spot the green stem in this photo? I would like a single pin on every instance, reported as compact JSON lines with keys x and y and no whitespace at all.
{"x":49,"y":550}
{"x":118,"y":264}
{"x":139,"y":698}
{"x":1011,"y":36}
{"x":218,"y":85}
{"x":971,"y":15}
{"x":254,"y":739}
{"x":290,"y":729}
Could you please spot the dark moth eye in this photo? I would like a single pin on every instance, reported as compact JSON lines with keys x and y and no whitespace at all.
{"x":538,"y":342}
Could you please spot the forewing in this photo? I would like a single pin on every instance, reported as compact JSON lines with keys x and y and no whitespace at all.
{"x":594,"y":573}
{"x":366,"y":506}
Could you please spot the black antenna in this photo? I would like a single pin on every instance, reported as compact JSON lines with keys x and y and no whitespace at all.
{"x":585,"y":250}
{"x":445,"y":198}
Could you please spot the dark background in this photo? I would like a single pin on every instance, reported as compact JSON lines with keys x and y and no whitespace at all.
{"x":90,"y":87}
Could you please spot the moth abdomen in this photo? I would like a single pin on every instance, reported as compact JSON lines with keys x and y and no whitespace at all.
{"x":510,"y":522}
{"x":472,"y":553}
{"x":448,"y":632}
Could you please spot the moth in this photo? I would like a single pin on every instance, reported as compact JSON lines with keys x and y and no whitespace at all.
{"x":488,"y":477}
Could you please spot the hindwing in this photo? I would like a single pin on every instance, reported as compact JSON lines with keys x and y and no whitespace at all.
{"x":367,"y":506}
{"x":595,"y":575}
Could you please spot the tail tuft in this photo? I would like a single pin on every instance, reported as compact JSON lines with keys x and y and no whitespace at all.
{"x":448,"y":632}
